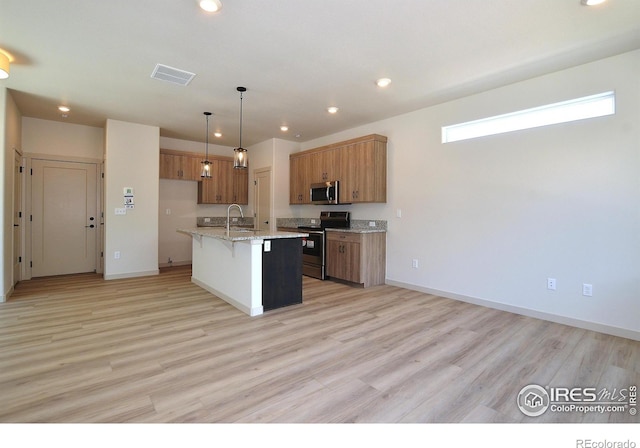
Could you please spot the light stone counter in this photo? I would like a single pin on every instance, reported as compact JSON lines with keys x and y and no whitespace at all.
{"x":230,"y":265}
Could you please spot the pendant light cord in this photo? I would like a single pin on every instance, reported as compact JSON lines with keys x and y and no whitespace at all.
{"x":241,"y":120}
{"x":206,"y":147}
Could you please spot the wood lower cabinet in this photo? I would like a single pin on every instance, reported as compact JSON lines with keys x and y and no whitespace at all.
{"x":356,"y":257}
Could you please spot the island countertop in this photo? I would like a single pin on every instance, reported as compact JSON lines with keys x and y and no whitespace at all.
{"x":241,"y":234}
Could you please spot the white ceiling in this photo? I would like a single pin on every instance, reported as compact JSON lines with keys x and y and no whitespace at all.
{"x":296,"y":57}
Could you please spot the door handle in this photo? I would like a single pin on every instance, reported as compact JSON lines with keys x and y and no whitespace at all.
{"x":91,"y":226}
{"x":266,"y":222}
{"x":16,"y":225}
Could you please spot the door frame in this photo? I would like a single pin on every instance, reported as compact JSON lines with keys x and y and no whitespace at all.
{"x":256,"y":172}
{"x":18,"y":207}
{"x":28,"y":159}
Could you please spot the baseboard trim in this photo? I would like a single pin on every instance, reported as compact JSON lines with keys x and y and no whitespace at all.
{"x":131,"y":275}
{"x":174,"y":263}
{"x":573,"y":322}
{"x":245,"y":309}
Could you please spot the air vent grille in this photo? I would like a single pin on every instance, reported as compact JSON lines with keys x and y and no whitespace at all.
{"x":173,"y":75}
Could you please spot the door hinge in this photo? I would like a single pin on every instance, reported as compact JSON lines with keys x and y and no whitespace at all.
{"x":255,"y":182}
{"x":101,"y":254}
{"x":21,"y":169}
{"x":31,"y":264}
{"x":102,"y":174}
{"x":19,"y":259}
{"x":31,"y":171}
{"x":19,"y":214}
{"x":30,"y":218}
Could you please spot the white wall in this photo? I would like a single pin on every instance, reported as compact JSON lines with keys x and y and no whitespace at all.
{"x":490,"y":219}
{"x":10,"y":130}
{"x":131,"y":160}
{"x":54,"y":138}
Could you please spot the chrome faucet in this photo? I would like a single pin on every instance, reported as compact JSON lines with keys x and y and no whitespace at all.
{"x":229,"y":210}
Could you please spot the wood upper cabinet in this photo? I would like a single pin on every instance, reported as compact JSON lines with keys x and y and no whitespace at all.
{"x":324,"y":166}
{"x":219,"y":188}
{"x":359,"y":164}
{"x":226,"y":185}
{"x":179,"y":166}
{"x":366,"y":173}
{"x":356,"y":257}
{"x":299,"y":179}
{"x":240,"y":186}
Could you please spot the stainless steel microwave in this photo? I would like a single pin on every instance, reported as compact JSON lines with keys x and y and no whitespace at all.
{"x":325,"y":192}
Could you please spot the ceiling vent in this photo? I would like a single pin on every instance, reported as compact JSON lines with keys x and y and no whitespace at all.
{"x":170,"y":74}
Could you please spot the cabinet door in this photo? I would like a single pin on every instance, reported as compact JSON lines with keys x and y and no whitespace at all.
{"x":366,"y":167}
{"x":324,"y":166}
{"x":174,"y":166}
{"x":343,"y":259}
{"x":224,"y":170}
{"x":240,"y":186}
{"x":299,"y":180}
{"x":170,"y":166}
{"x":191,"y":167}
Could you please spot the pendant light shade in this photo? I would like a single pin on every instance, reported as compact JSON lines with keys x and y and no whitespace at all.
{"x":240,"y":158}
{"x":206,"y":165}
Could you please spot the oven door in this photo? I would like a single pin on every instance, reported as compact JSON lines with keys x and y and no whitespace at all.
{"x":313,"y":248}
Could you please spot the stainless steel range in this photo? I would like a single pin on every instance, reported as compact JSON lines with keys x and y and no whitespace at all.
{"x":314,"y":249}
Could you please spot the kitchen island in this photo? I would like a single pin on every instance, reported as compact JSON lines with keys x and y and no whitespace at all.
{"x":253,"y":270}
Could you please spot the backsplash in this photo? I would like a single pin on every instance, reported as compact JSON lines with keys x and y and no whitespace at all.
{"x":221,"y":221}
{"x":359,"y":224}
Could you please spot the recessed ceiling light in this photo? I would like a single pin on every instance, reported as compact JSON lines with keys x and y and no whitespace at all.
{"x":63,"y":109}
{"x":592,"y":2}
{"x":332,"y":109}
{"x":284,"y":128}
{"x":210,"y":5}
{"x":217,"y":134}
{"x":383,"y":82}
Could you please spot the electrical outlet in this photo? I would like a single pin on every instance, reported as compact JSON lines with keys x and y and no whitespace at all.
{"x":168,"y":211}
{"x":414,"y":263}
{"x":587,"y":290}
{"x":372,"y":223}
{"x":121,"y":211}
{"x":116,"y":255}
{"x":267,"y":245}
{"x":399,"y":213}
{"x":551,"y":284}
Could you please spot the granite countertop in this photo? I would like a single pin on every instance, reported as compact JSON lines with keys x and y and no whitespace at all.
{"x":357,"y":230}
{"x":241,"y":234}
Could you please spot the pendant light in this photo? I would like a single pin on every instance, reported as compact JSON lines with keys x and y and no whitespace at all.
{"x":206,"y":165}
{"x":240,"y":159}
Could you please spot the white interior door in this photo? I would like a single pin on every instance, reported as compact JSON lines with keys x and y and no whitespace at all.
{"x":262,"y":199}
{"x":17,"y":219}
{"x":65,"y":223}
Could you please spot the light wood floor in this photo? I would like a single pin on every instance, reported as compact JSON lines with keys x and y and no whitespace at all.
{"x":160,"y":349}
